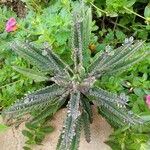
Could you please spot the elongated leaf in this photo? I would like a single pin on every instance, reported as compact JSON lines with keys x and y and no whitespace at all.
{"x":115,"y":121}
{"x":126,"y":53}
{"x":87,"y":107}
{"x":86,"y":34}
{"x":27,"y":134}
{"x":125,"y":65}
{"x":108,"y":60}
{"x":76,"y":138}
{"x":57,"y":63}
{"x":36,"y":76}
{"x":108,"y":96}
{"x":39,"y":98}
{"x":81,"y":31}
{"x":86,"y":126}
{"x":34,"y":57}
{"x":124,"y":115}
{"x":49,"y":110}
{"x":66,"y":137}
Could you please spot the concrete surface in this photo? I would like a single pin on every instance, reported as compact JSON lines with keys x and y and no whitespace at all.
{"x":12,"y":139}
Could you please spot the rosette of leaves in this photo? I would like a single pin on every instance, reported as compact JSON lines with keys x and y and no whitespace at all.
{"x":75,"y":84}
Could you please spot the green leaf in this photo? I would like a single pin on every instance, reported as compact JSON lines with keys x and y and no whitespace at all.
{"x":99,"y":13}
{"x":31,"y":126}
{"x":3,"y":127}
{"x":26,"y":148}
{"x":147,"y":11}
{"x":47,"y":129}
{"x":86,"y":126}
{"x":144,"y":146}
{"x":120,"y":35}
{"x":30,"y":142}
{"x":130,"y":2}
{"x":35,"y":75}
{"x":139,"y":92}
{"x":146,"y":118}
{"x":47,"y":112}
{"x":27,"y":134}
{"x":39,"y":137}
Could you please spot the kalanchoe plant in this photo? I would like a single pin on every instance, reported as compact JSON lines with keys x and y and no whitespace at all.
{"x":75,"y":84}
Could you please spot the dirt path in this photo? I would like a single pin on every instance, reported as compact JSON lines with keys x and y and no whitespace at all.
{"x":12,"y":139}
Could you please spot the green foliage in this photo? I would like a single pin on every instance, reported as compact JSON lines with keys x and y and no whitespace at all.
{"x":44,"y":27}
{"x":115,"y":7}
{"x":35,"y":133}
{"x":12,"y":84}
{"x":118,"y":5}
{"x":3,"y":127}
{"x":37,"y":28}
{"x":147,"y":11}
{"x":38,"y":127}
{"x":127,"y":15}
{"x":130,"y":138}
{"x":5,"y":14}
{"x":75,"y":84}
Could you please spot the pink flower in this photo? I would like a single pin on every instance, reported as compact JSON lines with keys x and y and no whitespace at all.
{"x":148,"y":100}
{"x":11,"y":25}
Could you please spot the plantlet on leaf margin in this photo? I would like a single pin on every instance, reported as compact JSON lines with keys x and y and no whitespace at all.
{"x":76,"y":82}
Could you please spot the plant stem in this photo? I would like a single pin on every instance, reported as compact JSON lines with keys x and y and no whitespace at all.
{"x":134,"y":13}
{"x":115,"y":24}
{"x":98,"y":8}
{"x":120,"y":25}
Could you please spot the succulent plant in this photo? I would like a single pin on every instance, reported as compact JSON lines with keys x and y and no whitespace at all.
{"x":75,"y":84}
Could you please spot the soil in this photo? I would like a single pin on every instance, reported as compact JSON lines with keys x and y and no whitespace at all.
{"x":16,"y":5}
{"x":12,"y":139}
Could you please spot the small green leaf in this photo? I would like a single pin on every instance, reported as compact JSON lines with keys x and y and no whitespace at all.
{"x":39,"y":137}
{"x":30,"y":142}
{"x":144,"y":146}
{"x":139,"y":92}
{"x":3,"y":127}
{"x":146,"y":118}
{"x":31,"y":126}
{"x":147,"y":11}
{"x":47,"y":129}
{"x":120,"y":35}
{"x":26,"y":148}
{"x":27,"y":134}
{"x":99,"y":14}
{"x":130,"y":3}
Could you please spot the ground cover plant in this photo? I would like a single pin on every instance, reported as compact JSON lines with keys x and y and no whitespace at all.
{"x":76,"y":84}
{"x":12,"y":84}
